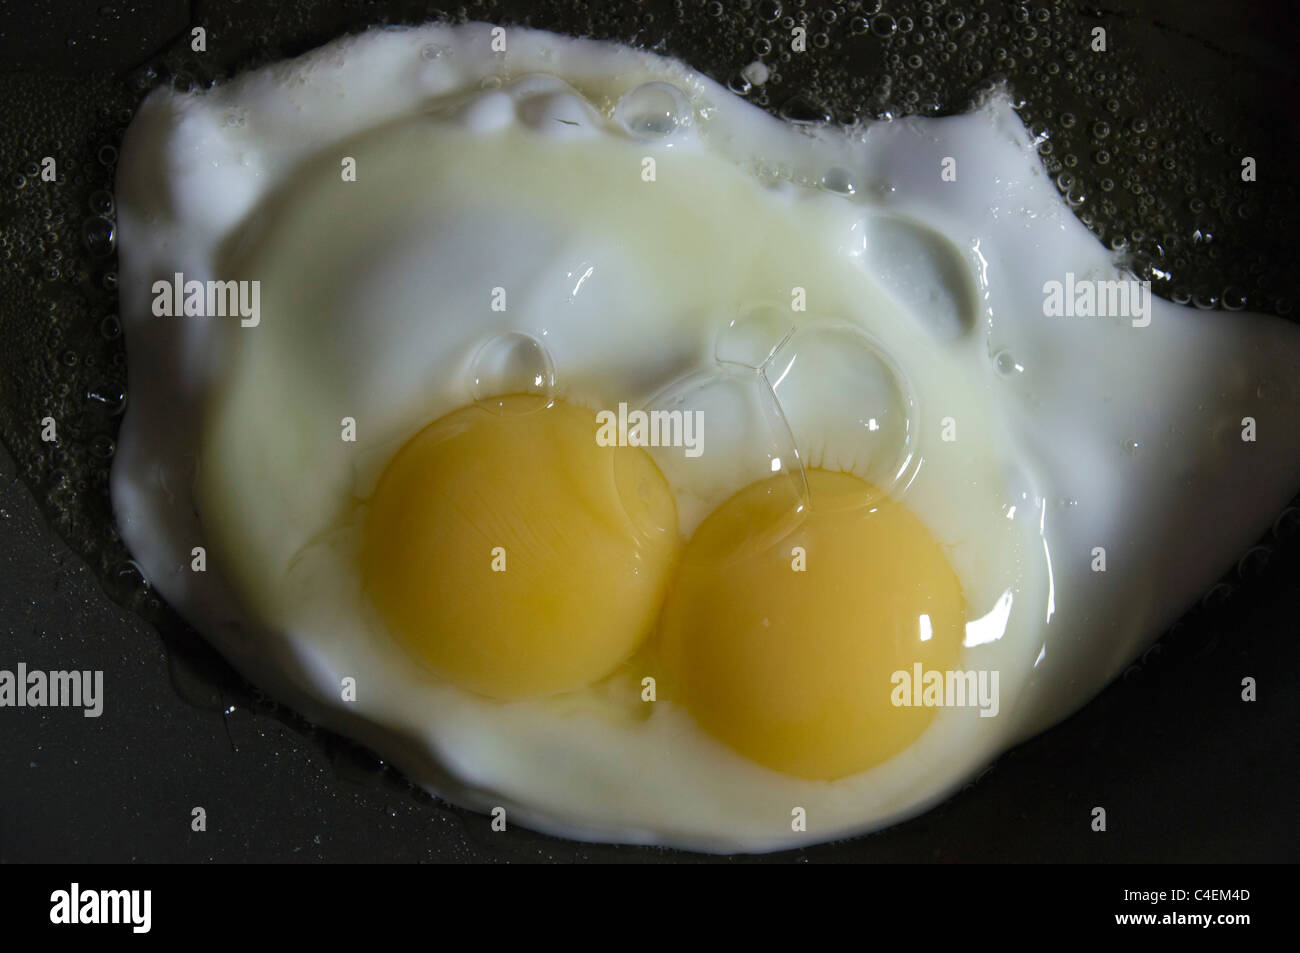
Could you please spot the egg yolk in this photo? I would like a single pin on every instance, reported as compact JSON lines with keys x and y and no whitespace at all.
{"x":787,"y":653}
{"x":503,"y":552}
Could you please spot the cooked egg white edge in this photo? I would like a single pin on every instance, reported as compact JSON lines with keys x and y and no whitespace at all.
{"x":1001,"y":200}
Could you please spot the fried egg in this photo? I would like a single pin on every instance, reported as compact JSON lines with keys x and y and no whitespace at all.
{"x":626,"y":463}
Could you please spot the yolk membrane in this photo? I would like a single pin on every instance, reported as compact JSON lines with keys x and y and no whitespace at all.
{"x":787,"y":652}
{"x":502,"y":550}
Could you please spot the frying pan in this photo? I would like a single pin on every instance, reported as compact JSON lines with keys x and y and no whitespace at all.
{"x":1186,"y":769}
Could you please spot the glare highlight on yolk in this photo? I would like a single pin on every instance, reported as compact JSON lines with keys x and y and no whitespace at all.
{"x":499,"y":548}
{"x":788,"y":659}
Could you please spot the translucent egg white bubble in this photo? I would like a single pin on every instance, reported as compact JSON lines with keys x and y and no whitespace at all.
{"x":738,"y":436}
{"x":839,"y":180}
{"x":654,"y":111}
{"x":751,"y":338}
{"x":560,"y":113}
{"x":925,"y":271}
{"x":511,"y":363}
{"x":848,"y":408}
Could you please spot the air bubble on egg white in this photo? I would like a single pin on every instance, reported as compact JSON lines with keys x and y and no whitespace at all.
{"x":838,"y":180}
{"x":435,"y":73}
{"x":848,"y":406}
{"x":1006,"y":363}
{"x":509,"y":364}
{"x":537,"y":84}
{"x":745,"y":439}
{"x":752,"y":338}
{"x":488,"y":112}
{"x":561,"y":113}
{"x":654,"y":111}
{"x":923,"y":271}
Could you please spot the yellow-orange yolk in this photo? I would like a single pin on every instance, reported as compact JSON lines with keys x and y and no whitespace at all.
{"x":787,"y":652}
{"x":503,"y":552}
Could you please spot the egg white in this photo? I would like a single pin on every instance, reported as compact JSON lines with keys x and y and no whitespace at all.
{"x":474,"y":172}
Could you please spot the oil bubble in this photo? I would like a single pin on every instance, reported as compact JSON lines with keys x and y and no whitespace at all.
{"x":101,"y":202}
{"x":100,"y":236}
{"x":803,"y":110}
{"x":1255,"y":563}
{"x":1287,"y":525}
{"x":102,"y":447}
